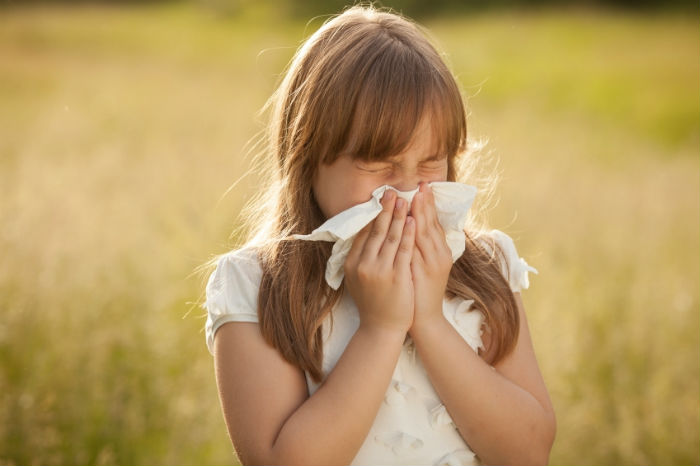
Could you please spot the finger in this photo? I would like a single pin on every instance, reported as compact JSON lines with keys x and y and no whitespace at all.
{"x":358,"y":244}
{"x":429,"y":233}
{"x":429,"y":203}
{"x":418,"y":212}
{"x":380,"y":225}
{"x":421,"y":250}
{"x":406,"y":247}
{"x":436,"y":232}
{"x":419,"y":261}
{"x":393,"y":236}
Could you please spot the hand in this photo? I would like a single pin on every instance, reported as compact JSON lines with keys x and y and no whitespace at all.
{"x":432,"y":259}
{"x":378,"y":268}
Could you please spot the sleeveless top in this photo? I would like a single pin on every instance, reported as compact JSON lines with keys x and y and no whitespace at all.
{"x":412,"y":425}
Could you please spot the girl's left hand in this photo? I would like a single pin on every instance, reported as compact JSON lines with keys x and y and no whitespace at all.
{"x":432,"y":259}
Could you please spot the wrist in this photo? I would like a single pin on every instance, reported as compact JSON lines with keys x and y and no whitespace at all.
{"x":382,"y":332}
{"x":428,"y":327}
{"x":428,"y":313}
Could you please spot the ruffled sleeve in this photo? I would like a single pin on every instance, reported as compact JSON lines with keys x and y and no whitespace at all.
{"x":514,"y":269}
{"x":232,"y":291}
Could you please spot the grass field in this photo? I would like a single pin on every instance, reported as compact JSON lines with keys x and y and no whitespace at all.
{"x":122,"y":128}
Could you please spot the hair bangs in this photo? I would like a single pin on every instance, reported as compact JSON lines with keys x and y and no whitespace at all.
{"x":400,"y":89}
{"x":446,"y":113}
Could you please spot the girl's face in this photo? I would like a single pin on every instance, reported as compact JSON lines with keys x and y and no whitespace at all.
{"x":348,"y":182}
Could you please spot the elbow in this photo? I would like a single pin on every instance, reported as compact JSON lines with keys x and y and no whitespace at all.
{"x":550,"y":435}
{"x":539,"y":456}
{"x":275,"y":452}
{"x":261,"y":457}
{"x":289,"y":457}
{"x":540,"y":451}
{"x":536,"y":454}
{"x":291,"y":451}
{"x":299,"y":456}
{"x":536,"y":458}
{"x":290,"y":460}
{"x":272,"y":458}
{"x":537,"y":447}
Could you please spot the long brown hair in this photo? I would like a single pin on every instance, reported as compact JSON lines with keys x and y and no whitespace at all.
{"x":360,"y":84}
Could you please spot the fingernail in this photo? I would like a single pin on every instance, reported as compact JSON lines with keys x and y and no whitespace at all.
{"x":399,"y":203}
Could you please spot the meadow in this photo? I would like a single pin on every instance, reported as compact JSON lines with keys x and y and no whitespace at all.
{"x":123,"y":128}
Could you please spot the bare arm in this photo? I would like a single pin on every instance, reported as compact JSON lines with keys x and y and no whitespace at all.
{"x":505,"y":414}
{"x":269,"y":415}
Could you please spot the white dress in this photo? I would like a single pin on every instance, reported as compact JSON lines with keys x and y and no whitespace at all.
{"x":412,"y":425}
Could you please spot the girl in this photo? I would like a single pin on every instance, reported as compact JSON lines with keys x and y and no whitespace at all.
{"x":414,"y":359}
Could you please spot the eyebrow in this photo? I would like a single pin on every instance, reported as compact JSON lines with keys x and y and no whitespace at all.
{"x":431,"y":158}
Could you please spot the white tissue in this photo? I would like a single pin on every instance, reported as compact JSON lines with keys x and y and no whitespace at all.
{"x":452,"y":203}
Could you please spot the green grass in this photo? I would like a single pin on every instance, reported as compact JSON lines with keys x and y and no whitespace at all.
{"x":121,"y":128}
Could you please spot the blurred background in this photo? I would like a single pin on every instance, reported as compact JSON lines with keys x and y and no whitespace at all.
{"x":123,"y":126}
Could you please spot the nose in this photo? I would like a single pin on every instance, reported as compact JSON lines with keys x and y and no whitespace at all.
{"x":406,"y":182}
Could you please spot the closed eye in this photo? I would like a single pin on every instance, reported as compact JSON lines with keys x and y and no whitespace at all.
{"x":434,"y":164}
{"x":378,"y":170}
{"x":374,"y":168}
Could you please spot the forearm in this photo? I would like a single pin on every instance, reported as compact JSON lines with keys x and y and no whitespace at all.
{"x":502,"y":422}
{"x":331,"y":425}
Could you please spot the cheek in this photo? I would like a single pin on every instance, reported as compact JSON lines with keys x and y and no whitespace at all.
{"x":345,"y":192}
{"x":433,"y":176}
{"x":359,"y":190}
{"x":437,"y":175}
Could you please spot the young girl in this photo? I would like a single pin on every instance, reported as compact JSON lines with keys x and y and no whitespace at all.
{"x":414,"y":359}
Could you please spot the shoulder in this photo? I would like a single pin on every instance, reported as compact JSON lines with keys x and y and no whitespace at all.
{"x":232,"y":290}
{"x":513,"y":267}
{"x":237,"y":261}
{"x":236,"y":270}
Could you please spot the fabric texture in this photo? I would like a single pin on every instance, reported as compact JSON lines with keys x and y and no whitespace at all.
{"x":515,"y":269}
{"x":412,"y":425}
{"x":232,"y":291}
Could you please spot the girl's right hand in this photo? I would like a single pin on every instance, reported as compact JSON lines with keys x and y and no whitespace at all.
{"x":378,"y":268}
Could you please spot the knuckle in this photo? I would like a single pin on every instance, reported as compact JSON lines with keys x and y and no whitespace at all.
{"x":380,"y":269}
{"x":364,"y":272}
{"x":382,"y":218}
{"x":392,"y":238}
{"x":404,"y":247}
{"x":349,"y":265}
